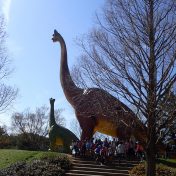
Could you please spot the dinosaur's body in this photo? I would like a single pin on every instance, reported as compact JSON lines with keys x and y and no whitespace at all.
{"x":96,"y":109}
{"x":58,"y":135}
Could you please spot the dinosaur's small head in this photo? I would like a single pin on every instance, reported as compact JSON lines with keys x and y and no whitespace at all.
{"x":56,"y":36}
{"x":52,"y":100}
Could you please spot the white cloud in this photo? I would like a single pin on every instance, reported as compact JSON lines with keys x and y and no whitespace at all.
{"x":5,"y":7}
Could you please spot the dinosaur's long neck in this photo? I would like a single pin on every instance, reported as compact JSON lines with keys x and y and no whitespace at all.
{"x":52,"y":117}
{"x":69,"y":87}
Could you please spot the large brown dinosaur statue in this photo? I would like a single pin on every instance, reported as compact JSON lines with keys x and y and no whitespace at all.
{"x":96,"y":109}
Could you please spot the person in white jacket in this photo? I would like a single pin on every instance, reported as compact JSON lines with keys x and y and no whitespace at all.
{"x":120,"y":149}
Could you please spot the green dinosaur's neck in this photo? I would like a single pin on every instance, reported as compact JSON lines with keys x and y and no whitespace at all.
{"x":52,"y":117}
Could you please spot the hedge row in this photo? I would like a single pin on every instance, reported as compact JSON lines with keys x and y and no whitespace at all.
{"x":161,"y":170}
{"x":42,"y":167}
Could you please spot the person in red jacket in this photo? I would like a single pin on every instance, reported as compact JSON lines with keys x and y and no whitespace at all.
{"x":139,"y":151}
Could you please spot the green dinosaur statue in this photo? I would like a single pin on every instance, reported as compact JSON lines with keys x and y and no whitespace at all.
{"x":58,"y":135}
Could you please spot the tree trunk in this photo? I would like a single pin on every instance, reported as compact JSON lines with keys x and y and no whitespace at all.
{"x":151,"y":160}
{"x":151,"y":109}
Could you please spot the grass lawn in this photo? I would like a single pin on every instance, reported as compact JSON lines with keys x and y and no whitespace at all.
{"x":8,"y":157}
{"x":168,"y":162}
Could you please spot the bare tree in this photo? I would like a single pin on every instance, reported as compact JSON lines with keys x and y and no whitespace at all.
{"x":168,"y":128}
{"x":3,"y":130}
{"x":29,"y":122}
{"x":78,"y":76}
{"x":75,"y":128}
{"x":7,"y":93}
{"x":132,"y":53}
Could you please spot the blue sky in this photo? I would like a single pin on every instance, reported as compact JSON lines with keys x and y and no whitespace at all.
{"x":30,"y":25}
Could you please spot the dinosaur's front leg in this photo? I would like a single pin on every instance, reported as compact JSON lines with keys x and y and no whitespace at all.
{"x":87,"y":125}
{"x":52,"y":146}
{"x":87,"y":133}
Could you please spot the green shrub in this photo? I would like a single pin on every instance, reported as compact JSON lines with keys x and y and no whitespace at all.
{"x":161,"y":170}
{"x":30,"y":141}
{"x":48,"y":166}
{"x":138,"y":170}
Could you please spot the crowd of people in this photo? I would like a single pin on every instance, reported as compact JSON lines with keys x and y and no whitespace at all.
{"x":103,"y":151}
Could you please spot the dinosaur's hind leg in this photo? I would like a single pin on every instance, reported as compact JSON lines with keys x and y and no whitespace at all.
{"x":123,"y":133}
